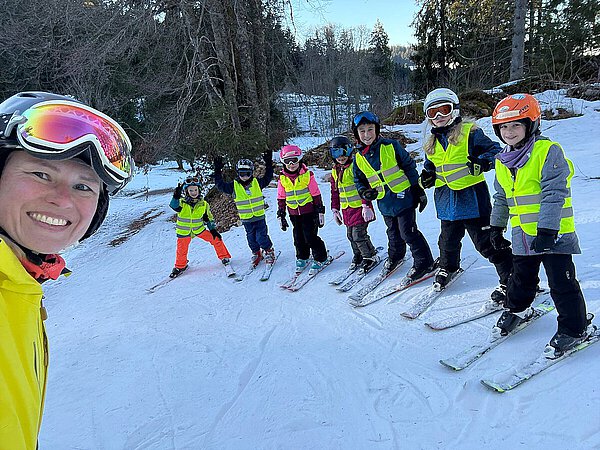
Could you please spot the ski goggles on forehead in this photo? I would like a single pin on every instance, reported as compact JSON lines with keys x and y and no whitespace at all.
{"x":367,"y":116}
{"x":291,"y":160}
{"x":442,"y":109}
{"x":336,"y":152}
{"x":61,"y":130}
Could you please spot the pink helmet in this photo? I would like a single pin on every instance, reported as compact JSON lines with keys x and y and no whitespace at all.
{"x":289,"y":151}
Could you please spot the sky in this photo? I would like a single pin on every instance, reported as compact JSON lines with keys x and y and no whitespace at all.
{"x":210,"y":363}
{"x":395,"y":15}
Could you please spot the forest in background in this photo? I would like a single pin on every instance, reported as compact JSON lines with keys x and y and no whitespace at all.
{"x":193,"y":79}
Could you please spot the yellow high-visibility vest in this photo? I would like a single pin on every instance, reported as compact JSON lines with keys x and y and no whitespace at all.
{"x":249,"y":203}
{"x":296,"y":192}
{"x":524,"y":191}
{"x":189,"y":219}
{"x":451,"y":164}
{"x":349,"y":197}
{"x":389,"y":174}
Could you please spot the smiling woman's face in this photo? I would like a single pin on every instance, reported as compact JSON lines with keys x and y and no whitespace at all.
{"x":47,"y":205}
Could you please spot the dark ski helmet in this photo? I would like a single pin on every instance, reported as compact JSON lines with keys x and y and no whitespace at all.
{"x":365,"y":117}
{"x":340,"y":146}
{"x":56,"y":127}
{"x":244,"y":167}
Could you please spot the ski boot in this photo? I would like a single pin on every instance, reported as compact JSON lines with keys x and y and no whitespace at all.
{"x":390,"y":265}
{"x":415,"y":275}
{"x":176,"y":271}
{"x":301,"y":265}
{"x":368,"y":263}
{"x":316,"y":267}
{"x":498,"y":295}
{"x":225,"y":261}
{"x":562,"y":342}
{"x":270,"y":256}
{"x":256,"y":258}
{"x":508,"y":321}
{"x":356,"y":262}
{"x":442,"y":278}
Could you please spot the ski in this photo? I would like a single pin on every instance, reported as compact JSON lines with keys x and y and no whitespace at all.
{"x":301,"y":282}
{"x":295,"y":277}
{"x":344,"y":275}
{"x":157,"y":286}
{"x":266,"y":274}
{"x":359,"y":275}
{"x":404,"y":284}
{"x":242,"y":277}
{"x":468,"y":314}
{"x":371,"y":285}
{"x":538,"y":365}
{"x":426,"y":298}
{"x":472,"y":354}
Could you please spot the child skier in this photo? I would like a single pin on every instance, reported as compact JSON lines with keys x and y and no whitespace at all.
{"x":348,"y":207}
{"x":250,"y":204}
{"x":298,"y":190}
{"x":456,"y":156}
{"x":383,"y":170}
{"x":533,"y":190}
{"x":194,"y":219}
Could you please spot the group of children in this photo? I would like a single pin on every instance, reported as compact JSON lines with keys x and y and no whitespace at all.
{"x":533,"y":178}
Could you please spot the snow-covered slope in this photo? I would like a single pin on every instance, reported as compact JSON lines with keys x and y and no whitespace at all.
{"x":209,"y":363}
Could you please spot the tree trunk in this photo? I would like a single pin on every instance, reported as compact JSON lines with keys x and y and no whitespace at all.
{"x":518,"y":40}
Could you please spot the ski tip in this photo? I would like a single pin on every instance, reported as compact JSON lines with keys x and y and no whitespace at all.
{"x":493,"y":386}
{"x":450,"y":366}
{"x":409,"y":315}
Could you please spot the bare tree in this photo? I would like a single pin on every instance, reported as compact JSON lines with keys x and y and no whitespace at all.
{"x":518,"y":40}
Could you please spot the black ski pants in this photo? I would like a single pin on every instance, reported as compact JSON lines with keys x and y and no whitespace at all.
{"x":360,"y":241}
{"x":564,"y":289}
{"x":306,"y":237}
{"x":449,"y":242}
{"x":401,"y":230}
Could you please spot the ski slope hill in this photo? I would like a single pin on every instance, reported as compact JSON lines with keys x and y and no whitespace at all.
{"x":209,"y":363}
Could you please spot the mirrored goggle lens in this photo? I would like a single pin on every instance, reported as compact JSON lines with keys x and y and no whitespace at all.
{"x":290,"y":160}
{"x":189,"y":180}
{"x":367,"y":116}
{"x":58,"y":127}
{"x":440,"y":110}
{"x":337,"y":152}
{"x":245,"y":173}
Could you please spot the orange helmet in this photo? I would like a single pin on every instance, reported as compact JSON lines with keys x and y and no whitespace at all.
{"x":522,"y":108}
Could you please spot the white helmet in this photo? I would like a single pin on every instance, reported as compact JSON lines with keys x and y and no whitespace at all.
{"x":442,"y":95}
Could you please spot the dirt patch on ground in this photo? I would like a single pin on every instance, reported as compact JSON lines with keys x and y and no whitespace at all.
{"x":135,"y":226}
{"x":558,"y":113}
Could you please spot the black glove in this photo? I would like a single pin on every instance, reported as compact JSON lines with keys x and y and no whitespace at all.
{"x":478,"y":165}
{"x":215,"y":234}
{"x":218,"y":163}
{"x":497,"y":238}
{"x":177,"y":191}
{"x":283,"y":223}
{"x":419,"y":197}
{"x":369,"y":194}
{"x":427,"y":179}
{"x":268,"y":158}
{"x":544,"y":241}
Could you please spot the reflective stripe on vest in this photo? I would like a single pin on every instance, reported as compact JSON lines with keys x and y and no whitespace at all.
{"x":349,"y":197}
{"x":524,"y":191}
{"x":249,"y":203}
{"x":389,"y":174}
{"x":296,"y":192}
{"x":451,"y":164}
{"x":189,"y":220}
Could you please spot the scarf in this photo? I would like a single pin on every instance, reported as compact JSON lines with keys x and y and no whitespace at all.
{"x":515,"y":158}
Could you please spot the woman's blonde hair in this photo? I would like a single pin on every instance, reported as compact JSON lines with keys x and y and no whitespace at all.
{"x":454,"y":137}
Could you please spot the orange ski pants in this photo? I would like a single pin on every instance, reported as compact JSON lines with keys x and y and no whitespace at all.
{"x":183,"y":244}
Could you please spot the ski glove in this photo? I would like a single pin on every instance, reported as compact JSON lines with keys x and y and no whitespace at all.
{"x":178,"y":190}
{"x":215,"y":234}
{"x":369,"y":194}
{"x":337,"y":216}
{"x":218,"y":163}
{"x":367,"y":213}
{"x":427,"y":179}
{"x":321,"y":220}
{"x":544,"y":241}
{"x":497,"y":238}
{"x":478,"y":165}
{"x":419,"y":197}
{"x":283,"y":223}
